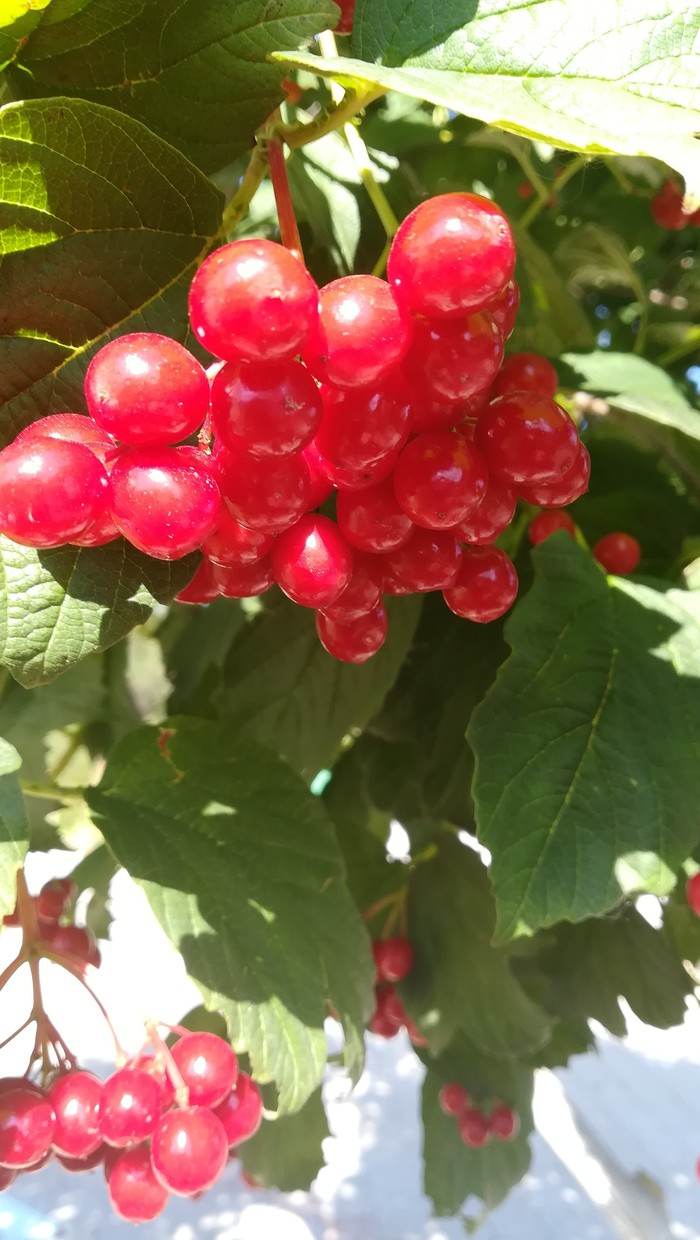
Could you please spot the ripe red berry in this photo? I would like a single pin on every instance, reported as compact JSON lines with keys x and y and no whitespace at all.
{"x":232,"y":543}
{"x":78,"y":1165}
{"x":453,"y":1099}
{"x":189,"y":1150}
{"x":504,"y":307}
{"x":72,"y":428}
{"x":362,"y":427}
{"x":27,"y":1124}
{"x":373,"y":520}
{"x":439,"y":478}
{"x":389,"y":1015}
{"x":361,"y":333}
{"x":526,"y":372}
{"x":130,"y":1107}
{"x":146,"y":389}
{"x":134,"y":1192}
{"x":347,"y":14}
{"x":434,"y":415}
{"x":667,"y":208}
{"x":241,"y":1111}
{"x":362,"y":593}
{"x":202,"y":588}
{"x":320,"y":485}
{"x":164,"y":500}
{"x":486,"y":585}
{"x":474,"y":1128}
{"x":252,"y":301}
{"x":618,"y":553}
{"x":428,"y":561}
{"x":76,"y":941}
{"x":692,"y":893}
{"x":503,"y":1123}
{"x":75,"y":1098}
{"x":208,"y":1067}
{"x":362,"y":478}
{"x":493,"y":515}
{"x":355,"y":642}
{"x":454,"y":359}
{"x":267,"y":494}
{"x":547,"y":523}
{"x":265,"y":408}
{"x":55,"y":899}
{"x":526,"y":438}
{"x":451,"y":255}
{"x":243,"y":580}
{"x":393,"y":959}
{"x":561,"y":491}
{"x":312,"y":562}
{"x":51,"y":491}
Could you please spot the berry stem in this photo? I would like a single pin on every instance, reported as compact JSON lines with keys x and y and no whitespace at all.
{"x":572,"y":168}
{"x":11,"y":1037}
{"x":379,"y":906}
{"x":345,"y":106}
{"x":289,"y":230}
{"x":237,"y":208}
{"x":75,"y":968}
{"x":52,"y":792}
{"x":182,"y":1093}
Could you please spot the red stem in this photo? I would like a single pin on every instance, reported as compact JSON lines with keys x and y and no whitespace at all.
{"x":289,"y":230}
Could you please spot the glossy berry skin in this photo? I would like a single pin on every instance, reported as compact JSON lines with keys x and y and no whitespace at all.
{"x":164,"y":500}
{"x":243,"y":580}
{"x":55,"y":899}
{"x":130,"y":1107}
{"x":526,"y":439}
{"x":453,"y":1099}
{"x":561,"y":491}
{"x":618,"y":553}
{"x":201,"y":589}
{"x":320,"y":485}
{"x":355,"y":642}
{"x":362,"y":477}
{"x":27,"y":1124}
{"x":189,"y":1150}
{"x":474,"y":1128}
{"x":232,"y":543}
{"x":454,"y":359}
{"x":438,"y":479}
{"x":265,"y":408}
{"x":146,"y":389}
{"x":692,"y":893}
{"x":267,"y":495}
{"x":547,"y":523}
{"x":208,"y":1067}
{"x":347,"y":14}
{"x":503,"y":1123}
{"x":241,"y":1110}
{"x":312,"y":562}
{"x":78,"y":1165}
{"x":72,"y":428}
{"x":526,"y":372}
{"x":253,"y":301}
{"x":361,"y":333}
{"x":434,"y":415}
{"x":486,"y":585}
{"x":361,"y":427}
{"x":362,"y":593}
{"x":51,"y":490}
{"x":388,"y":1016}
{"x":373,"y":519}
{"x":493,"y":515}
{"x":76,"y":941}
{"x":504,"y":307}
{"x":667,"y":208}
{"x":429,"y":560}
{"x":76,"y":1099}
{"x":393,"y":959}
{"x":453,"y":254}
{"x":134,"y":1192}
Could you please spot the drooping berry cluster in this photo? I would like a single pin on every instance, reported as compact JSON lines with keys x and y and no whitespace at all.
{"x":393,"y":959}
{"x":477,"y":1126}
{"x":667,"y":209}
{"x":57,"y":930}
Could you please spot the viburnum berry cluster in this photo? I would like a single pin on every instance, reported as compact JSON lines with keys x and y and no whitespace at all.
{"x":667,"y":209}
{"x":476,"y":1125}
{"x":57,"y":933}
{"x":393,"y":960}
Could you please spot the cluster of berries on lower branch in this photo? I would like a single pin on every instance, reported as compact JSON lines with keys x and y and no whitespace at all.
{"x":478,"y":1126}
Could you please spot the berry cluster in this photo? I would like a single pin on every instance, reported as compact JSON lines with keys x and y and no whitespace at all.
{"x":476,"y":1126}
{"x":59,"y":935}
{"x":393,"y":960}
{"x":667,"y":209}
{"x":618,"y":553}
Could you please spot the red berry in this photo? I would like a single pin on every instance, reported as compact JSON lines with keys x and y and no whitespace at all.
{"x":76,"y":428}
{"x":526,"y":372}
{"x":474,"y":1128}
{"x":414,"y":1033}
{"x":362,"y":427}
{"x":51,"y":491}
{"x":76,"y":1099}
{"x":76,"y":941}
{"x":252,"y":301}
{"x":526,"y":438}
{"x":451,"y":255}
{"x":321,"y":487}
{"x":692,"y":893}
{"x":429,"y":561}
{"x":27,"y":1124}
{"x":570,"y":486}
{"x":393,"y":959}
{"x":243,"y":580}
{"x":202,"y":588}
{"x":434,"y":415}
{"x":265,"y":408}
{"x":263,"y":494}
{"x":13,"y":918}
{"x":362,"y":478}
{"x":134,"y":1192}
{"x":453,"y":1099}
{"x":373,"y":520}
{"x":667,"y":208}
{"x":362,"y":593}
{"x":355,"y":642}
{"x":347,"y":13}
{"x":189,"y":1150}
{"x":618,"y":553}
{"x":312,"y":562}
{"x":207,"y":1065}
{"x":454,"y":359}
{"x":503,"y":1123}
{"x":241,"y":1111}
{"x":504,"y":307}
{"x":494,"y":514}
{"x":130,"y":1107}
{"x":232,"y":543}
{"x":486,"y":585}
{"x":547,"y":523}
{"x":389,"y":1015}
{"x":146,"y":389}
{"x":77,"y":1165}
{"x":525,"y":190}
{"x":164,"y":500}
{"x":361,"y":333}
{"x":439,"y":478}
{"x":55,"y":899}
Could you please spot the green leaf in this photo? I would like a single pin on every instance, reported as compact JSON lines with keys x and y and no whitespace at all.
{"x":17,"y":20}
{"x":595,"y":964}
{"x":14,"y":829}
{"x":286,"y":1153}
{"x":325,"y":184}
{"x":103,"y":227}
{"x":95,"y":873}
{"x":281,"y":686}
{"x":632,"y":385}
{"x":587,"y":779}
{"x":240,"y":865}
{"x":195,"y":643}
{"x":459,"y":979}
{"x":549,"y":315}
{"x":598,"y":78}
{"x":196,"y":74}
{"x":594,"y":257}
{"x":57,"y":607}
